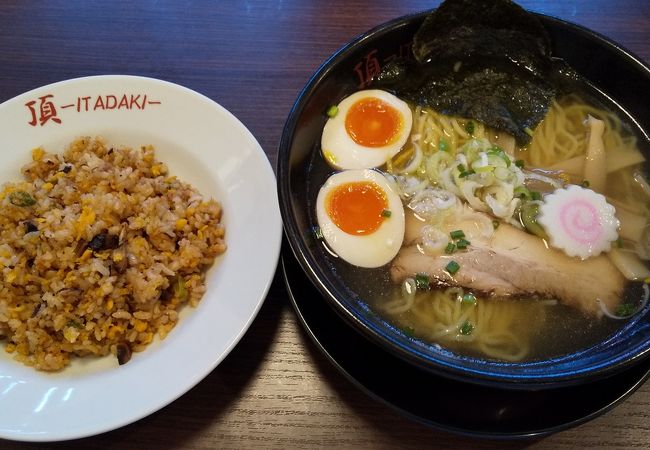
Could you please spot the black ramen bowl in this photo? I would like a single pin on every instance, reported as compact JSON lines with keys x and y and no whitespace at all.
{"x":620,"y":78}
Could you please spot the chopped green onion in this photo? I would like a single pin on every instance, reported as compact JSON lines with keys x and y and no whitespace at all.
{"x":535,"y":195}
{"x":646,"y":280}
{"x":21,"y":198}
{"x":484,"y":169}
{"x":463,"y":171}
{"x":452,"y":267}
{"x":442,"y":145}
{"x":469,"y":298}
{"x":496,"y":151}
{"x":318,"y":233}
{"x":585,"y":184}
{"x":451,"y":248}
{"x":457,"y":234}
{"x":528,"y":131}
{"x":522,"y":192}
{"x":462,"y":244}
{"x":495,"y":224}
{"x":519,"y":163}
{"x":625,"y":309}
{"x":466,"y":328}
{"x":386,"y":213}
{"x":501,"y":173}
{"x":619,"y":243}
{"x":422,"y":281}
{"x":469,"y":127}
{"x":332,"y":111}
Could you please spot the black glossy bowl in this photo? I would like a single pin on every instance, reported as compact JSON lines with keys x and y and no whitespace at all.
{"x":622,"y":78}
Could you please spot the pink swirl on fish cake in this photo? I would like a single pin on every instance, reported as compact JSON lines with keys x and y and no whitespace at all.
{"x":580,"y":221}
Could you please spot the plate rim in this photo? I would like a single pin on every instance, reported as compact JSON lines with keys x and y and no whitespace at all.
{"x":267,"y":265}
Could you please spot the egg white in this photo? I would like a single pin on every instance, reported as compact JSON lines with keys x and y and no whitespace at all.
{"x":342,"y":152}
{"x":372,"y":250}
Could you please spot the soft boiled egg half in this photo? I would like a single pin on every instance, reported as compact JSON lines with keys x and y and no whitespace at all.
{"x":361,"y":217}
{"x":369,"y":127}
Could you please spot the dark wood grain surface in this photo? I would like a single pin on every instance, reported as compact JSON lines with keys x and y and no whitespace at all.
{"x":275,"y":390}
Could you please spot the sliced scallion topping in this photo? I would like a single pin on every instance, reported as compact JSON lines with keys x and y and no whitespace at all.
{"x":519,"y":163}
{"x":422,"y":281}
{"x":585,"y":184}
{"x":450,"y":248}
{"x":484,"y":169}
{"x":469,"y":298}
{"x":386,"y":213}
{"x":21,"y":198}
{"x":332,"y":111}
{"x":457,"y":234}
{"x":466,"y":328}
{"x":442,"y":145}
{"x":452,"y":267}
{"x":522,"y":192}
{"x":462,"y":244}
{"x":463,"y":171}
{"x":501,"y":173}
{"x":535,"y":195}
{"x":409,"y":331}
{"x":318,"y":233}
{"x":469,"y":127}
{"x":496,"y":151}
{"x":625,"y":309}
{"x":495,"y":224}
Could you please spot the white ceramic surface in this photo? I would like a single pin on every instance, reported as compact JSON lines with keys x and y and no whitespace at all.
{"x":203,"y":144}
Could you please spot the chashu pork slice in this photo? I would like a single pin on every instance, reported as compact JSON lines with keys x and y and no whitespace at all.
{"x":510,"y":262}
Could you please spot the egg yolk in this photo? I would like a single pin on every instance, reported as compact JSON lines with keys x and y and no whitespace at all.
{"x":357,"y":208}
{"x":372,"y":122}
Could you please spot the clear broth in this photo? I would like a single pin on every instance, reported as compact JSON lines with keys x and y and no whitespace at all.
{"x":563,"y":330}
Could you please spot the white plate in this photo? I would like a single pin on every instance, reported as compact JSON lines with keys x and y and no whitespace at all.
{"x":204,"y":145}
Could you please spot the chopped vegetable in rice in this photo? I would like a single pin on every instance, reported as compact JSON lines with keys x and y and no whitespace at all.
{"x":99,"y":249}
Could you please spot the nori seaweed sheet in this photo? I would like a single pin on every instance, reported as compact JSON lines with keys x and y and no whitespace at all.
{"x":488,"y":60}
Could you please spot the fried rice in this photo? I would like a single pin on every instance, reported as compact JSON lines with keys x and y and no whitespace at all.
{"x":99,"y":250}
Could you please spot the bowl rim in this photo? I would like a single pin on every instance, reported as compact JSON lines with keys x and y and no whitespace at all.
{"x":312,"y":328}
{"x":298,"y":245}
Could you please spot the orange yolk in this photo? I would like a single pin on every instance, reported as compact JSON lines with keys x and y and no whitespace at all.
{"x":357,"y":207}
{"x":373,"y":123}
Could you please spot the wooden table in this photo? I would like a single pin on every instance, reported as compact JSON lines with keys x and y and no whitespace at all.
{"x":275,"y":390}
